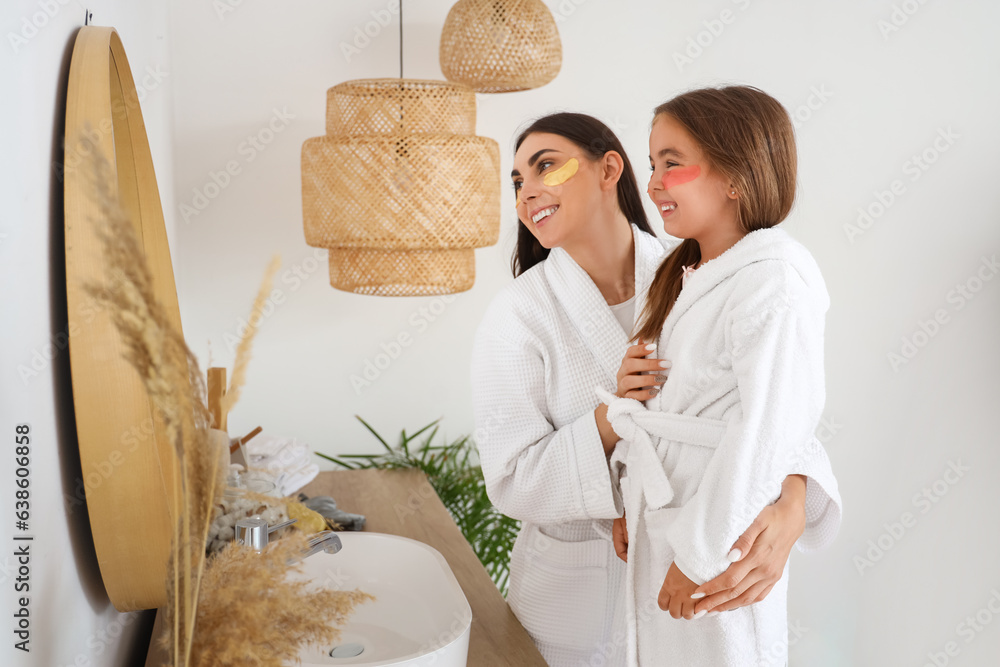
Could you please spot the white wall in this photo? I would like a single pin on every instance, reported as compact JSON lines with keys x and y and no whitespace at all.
{"x":71,"y":620}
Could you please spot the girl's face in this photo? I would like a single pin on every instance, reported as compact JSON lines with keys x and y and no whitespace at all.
{"x":694,"y":200}
{"x":555,"y":185}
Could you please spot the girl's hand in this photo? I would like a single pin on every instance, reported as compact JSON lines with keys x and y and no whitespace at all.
{"x":632,"y":382}
{"x":619,"y":535}
{"x":675,"y":594}
{"x":764,"y":549}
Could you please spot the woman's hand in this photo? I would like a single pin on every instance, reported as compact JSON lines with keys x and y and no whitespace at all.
{"x":675,"y":594}
{"x":634,"y":379}
{"x":763,"y":551}
{"x":632,"y":383}
{"x":619,"y":535}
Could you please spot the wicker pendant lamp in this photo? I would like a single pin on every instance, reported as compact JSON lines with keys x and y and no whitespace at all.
{"x":500,"y":46}
{"x":400,"y":189}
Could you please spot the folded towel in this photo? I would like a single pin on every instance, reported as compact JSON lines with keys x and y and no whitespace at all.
{"x":276,"y":452}
{"x":292,"y":481}
{"x":287,"y":459}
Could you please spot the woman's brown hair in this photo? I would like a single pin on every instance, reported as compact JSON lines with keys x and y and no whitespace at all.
{"x":746,"y":135}
{"x":595,"y":139}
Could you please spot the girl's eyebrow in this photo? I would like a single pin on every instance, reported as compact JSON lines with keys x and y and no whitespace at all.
{"x":669,"y":151}
{"x":533,"y":159}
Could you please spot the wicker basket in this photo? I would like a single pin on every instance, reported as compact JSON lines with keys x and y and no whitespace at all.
{"x":401,"y":190}
{"x":500,"y":46}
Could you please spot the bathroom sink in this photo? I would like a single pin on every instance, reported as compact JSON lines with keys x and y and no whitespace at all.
{"x":419,"y":616}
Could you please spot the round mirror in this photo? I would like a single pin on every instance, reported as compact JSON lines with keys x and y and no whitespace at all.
{"x":129,"y":467}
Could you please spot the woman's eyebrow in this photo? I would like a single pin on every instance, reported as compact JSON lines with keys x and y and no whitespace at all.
{"x":533,"y":159}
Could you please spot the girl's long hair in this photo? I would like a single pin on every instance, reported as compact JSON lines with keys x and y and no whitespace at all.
{"x":595,"y":139}
{"x":747,"y":136}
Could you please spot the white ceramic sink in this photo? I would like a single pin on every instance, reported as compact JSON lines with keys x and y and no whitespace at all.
{"x":419,"y":617}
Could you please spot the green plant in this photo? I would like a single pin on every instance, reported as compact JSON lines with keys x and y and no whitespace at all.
{"x":460,"y":485}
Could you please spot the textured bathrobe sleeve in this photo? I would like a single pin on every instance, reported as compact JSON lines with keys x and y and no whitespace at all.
{"x":823,"y":503}
{"x":775,"y":338}
{"x":534,"y":472}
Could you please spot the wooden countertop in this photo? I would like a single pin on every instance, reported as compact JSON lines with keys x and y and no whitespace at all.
{"x":402,"y":502}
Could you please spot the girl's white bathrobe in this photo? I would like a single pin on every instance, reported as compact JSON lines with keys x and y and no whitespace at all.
{"x":736,"y":415}
{"x":545,"y":342}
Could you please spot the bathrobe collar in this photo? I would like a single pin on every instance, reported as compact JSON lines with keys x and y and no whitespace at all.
{"x":757,"y":246}
{"x":578,"y":295}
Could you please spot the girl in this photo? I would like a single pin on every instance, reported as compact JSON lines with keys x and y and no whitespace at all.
{"x":739,"y":308}
{"x":582,"y":275}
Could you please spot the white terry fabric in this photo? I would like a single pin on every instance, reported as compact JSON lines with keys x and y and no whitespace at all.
{"x":737,"y":414}
{"x":546,"y":340}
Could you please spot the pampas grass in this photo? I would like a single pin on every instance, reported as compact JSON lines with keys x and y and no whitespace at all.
{"x":242,"y":360}
{"x":240,"y":607}
{"x":174,"y":384}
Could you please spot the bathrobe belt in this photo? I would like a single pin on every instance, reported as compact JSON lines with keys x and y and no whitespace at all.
{"x":642,"y":428}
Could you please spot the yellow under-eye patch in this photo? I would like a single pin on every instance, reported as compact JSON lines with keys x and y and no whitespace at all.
{"x":563,"y":173}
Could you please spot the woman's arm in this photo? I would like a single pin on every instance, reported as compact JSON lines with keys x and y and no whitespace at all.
{"x":763,"y":551}
{"x":808,"y":514}
{"x":534,"y":471}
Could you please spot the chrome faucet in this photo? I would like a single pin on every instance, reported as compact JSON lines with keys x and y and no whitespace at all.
{"x":327,"y":541}
{"x":254,"y":534}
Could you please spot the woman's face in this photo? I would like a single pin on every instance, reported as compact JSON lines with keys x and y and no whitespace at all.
{"x":693,"y":199}
{"x":556,"y":185}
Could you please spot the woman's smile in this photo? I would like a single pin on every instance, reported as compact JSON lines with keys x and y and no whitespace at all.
{"x":541,"y":215}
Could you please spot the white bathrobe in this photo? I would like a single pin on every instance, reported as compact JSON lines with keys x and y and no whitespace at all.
{"x":545,"y":342}
{"x":736,"y":415}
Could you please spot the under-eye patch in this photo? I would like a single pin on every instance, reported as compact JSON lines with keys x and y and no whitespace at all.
{"x":680,"y":176}
{"x":563,"y":173}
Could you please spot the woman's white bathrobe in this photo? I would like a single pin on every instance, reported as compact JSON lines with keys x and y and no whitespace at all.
{"x":736,"y":415}
{"x":545,"y":342}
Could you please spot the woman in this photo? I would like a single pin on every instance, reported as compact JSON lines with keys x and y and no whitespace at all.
{"x":584,"y":262}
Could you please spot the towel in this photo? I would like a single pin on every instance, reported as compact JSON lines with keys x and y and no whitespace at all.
{"x":286,"y":458}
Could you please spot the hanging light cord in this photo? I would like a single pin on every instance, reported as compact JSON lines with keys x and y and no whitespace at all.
{"x":400,"y":39}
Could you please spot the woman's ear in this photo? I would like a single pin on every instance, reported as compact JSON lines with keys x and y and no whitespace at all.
{"x":612,"y":166}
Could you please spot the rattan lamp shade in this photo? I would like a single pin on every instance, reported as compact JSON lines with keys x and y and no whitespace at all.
{"x":500,"y":46}
{"x":400,"y":189}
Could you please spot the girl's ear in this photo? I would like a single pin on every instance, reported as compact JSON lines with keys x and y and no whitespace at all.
{"x":612,"y":167}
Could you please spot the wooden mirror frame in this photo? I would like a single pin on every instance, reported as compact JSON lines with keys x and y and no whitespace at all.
{"x":128,"y":465}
